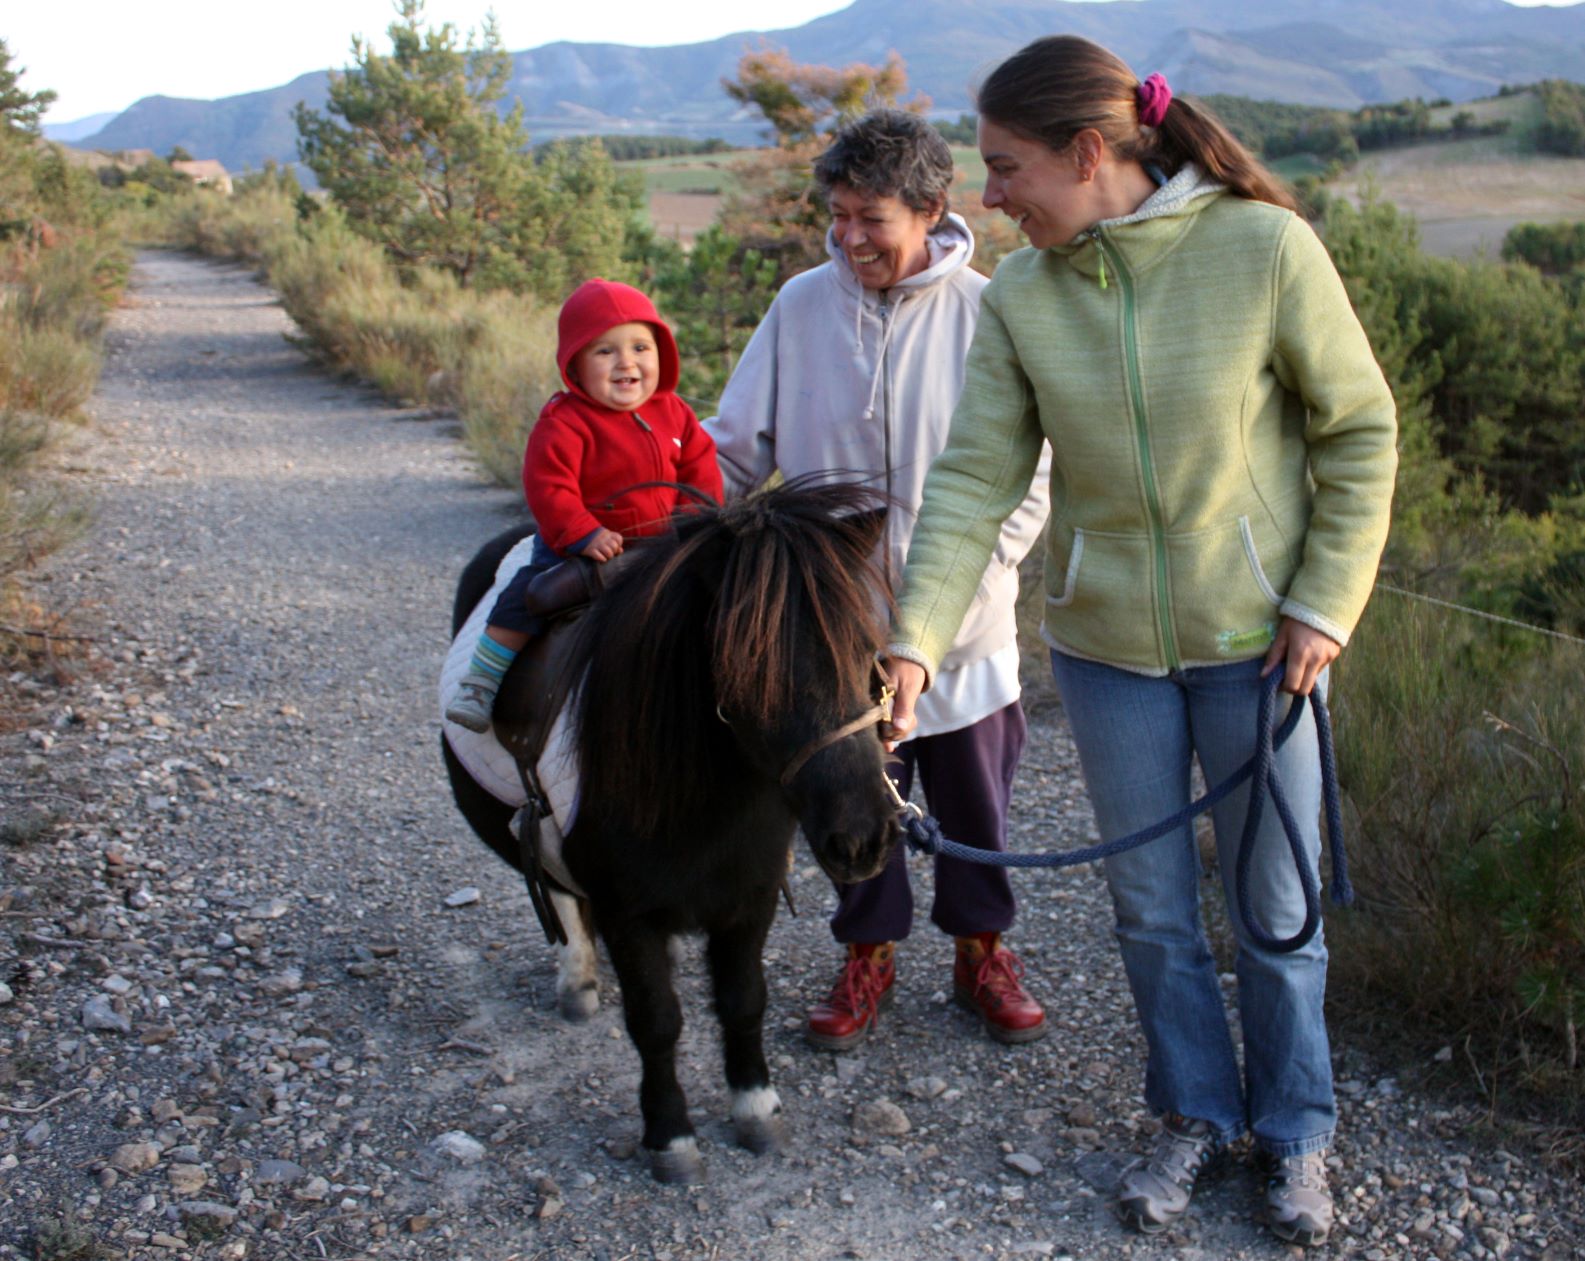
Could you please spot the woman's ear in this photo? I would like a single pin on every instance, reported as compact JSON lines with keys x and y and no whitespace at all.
{"x":1088,"y":146}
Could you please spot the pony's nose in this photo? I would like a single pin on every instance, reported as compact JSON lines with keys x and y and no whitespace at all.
{"x":851,"y":857}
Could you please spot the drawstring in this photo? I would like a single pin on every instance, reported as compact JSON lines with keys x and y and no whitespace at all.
{"x":880,"y":360}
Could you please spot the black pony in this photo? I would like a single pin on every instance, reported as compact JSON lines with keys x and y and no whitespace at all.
{"x":722,"y":672}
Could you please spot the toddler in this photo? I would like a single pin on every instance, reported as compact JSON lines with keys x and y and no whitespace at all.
{"x":592,"y":459}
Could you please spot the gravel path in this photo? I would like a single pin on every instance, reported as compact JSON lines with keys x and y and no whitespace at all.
{"x":242,"y":1017}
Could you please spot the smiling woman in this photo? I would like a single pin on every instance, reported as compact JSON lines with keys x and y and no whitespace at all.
{"x":1222,"y":468}
{"x":855,"y":370}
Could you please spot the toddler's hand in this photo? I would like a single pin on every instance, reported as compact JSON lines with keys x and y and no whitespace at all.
{"x":603,"y":546}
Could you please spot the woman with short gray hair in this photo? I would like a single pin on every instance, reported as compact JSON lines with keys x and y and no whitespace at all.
{"x":854,"y":372}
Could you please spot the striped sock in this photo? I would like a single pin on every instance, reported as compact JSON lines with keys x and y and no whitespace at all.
{"x":491,"y":659}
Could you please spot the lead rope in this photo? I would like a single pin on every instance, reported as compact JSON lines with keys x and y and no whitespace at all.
{"x":924,"y":832}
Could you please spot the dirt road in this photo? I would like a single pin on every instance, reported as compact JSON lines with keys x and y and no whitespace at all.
{"x":252,"y":1009}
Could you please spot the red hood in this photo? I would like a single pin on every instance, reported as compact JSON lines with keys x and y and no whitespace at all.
{"x":597,"y":305}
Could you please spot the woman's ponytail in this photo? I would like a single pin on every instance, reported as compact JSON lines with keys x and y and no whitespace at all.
{"x":1058,"y":86}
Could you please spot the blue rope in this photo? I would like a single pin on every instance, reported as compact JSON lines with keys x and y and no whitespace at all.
{"x":924,"y":832}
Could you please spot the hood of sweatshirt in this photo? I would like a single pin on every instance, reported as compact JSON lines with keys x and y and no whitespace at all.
{"x":1151,"y":231}
{"x":598,"y":305}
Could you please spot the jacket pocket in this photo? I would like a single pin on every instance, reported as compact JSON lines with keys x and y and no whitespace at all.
{"x":1101,"y":597}
{"x":1252,"y":553}
{"x":1071,"y":579}
{"x":1227,"y":583}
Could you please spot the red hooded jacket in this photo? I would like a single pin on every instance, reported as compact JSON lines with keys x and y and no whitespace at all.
{"x":582,"y":456}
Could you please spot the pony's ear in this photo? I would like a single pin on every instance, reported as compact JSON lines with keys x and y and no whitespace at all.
{"x":869,"y":526}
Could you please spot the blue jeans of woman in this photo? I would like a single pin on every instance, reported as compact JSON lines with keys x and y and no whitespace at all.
{"x":1136,"y":736}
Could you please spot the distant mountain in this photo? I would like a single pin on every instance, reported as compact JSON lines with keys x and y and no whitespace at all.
{"x":66,"y":133}
{"x":1320,"y":52}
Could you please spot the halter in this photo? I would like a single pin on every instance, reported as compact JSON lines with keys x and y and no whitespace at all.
{"x":880,"y":712}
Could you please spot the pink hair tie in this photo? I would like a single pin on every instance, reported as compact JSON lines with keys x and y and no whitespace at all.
{"x":1154,"y":96}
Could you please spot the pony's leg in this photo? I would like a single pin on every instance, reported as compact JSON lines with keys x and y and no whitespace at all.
{"x":577,"y":983}
{"x":738,"y":973}
{"x":654,"y":1022}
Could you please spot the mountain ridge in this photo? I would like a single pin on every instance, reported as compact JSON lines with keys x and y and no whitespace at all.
{"x":1345,"y":53}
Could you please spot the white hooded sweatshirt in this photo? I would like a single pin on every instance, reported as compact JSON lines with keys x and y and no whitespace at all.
{"x":861,"y":385}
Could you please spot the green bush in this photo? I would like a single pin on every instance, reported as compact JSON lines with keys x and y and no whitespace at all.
{"x":1461,"y":757}
{"x":1552,"y":248}
{"x":1562,"y":128}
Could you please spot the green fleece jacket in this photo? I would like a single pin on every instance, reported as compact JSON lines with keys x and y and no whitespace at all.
{"x":1223,"y":440}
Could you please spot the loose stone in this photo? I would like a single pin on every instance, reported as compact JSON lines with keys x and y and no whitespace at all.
{"x":282,"y":1172}
{"x":460,"y":1146}
{"x":187,"y":1180}
{"x":135,"y":1157}
{"x":100,"y":1016}
{"x":881,"y":1116}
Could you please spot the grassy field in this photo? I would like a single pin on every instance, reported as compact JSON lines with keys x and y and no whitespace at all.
{"x":701,"y":174}
{"x":1467,"y":194}
{"x":685,"y":191}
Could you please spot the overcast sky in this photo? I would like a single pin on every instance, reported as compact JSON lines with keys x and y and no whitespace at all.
{"x":102,"y":55}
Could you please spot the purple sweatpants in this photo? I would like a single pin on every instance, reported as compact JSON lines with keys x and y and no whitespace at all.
{"x":967,"y":776}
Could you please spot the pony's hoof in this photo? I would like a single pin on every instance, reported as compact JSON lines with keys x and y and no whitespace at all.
{"x":757,"y":1120}
{"x":763,"y":1135}
{"x":580,"y":1004}
{"x":678,"y":1162}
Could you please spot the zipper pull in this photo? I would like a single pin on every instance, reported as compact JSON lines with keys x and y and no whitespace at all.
{"x":1102,"y":255}
{"x":642,"y":423}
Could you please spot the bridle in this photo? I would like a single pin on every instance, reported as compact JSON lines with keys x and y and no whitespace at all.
{"x":880,"y":712}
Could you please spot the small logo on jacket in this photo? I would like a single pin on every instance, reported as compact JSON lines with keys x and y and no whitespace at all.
{"x":1240,"y":643}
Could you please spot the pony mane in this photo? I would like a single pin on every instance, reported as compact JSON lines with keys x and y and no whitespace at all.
{"x":705,"y":623}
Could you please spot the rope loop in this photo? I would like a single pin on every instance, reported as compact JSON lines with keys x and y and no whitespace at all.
{"x":923,"y":833}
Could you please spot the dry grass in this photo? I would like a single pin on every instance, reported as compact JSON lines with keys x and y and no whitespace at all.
{"x":1460,"y":756}
{"x":53,"y":304}
{"x":1467,"y":194}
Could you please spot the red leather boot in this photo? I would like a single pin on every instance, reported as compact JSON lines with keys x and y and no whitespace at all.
{"x":861,"y":993}
{"x":985,"y":979}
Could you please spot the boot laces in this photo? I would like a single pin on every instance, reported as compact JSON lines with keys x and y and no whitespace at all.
{"x":997,"y":976}
{"x":1182,"y":1151}
{"x":1308,"y":1170}
{"x":859,"y":987}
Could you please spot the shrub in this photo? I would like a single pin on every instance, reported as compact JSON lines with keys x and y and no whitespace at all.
{"x":1552,"y":248}
{"x":1562,"y":128}
{"x":1461,"y":756}
{"x":506,"y":372}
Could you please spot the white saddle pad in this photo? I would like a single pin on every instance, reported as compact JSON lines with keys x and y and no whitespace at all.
{"x":481,"y":753}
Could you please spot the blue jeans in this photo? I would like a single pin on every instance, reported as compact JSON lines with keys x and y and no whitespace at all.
{"x":1136,"y":736}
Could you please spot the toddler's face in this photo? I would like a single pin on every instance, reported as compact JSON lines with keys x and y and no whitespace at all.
{"x":620,"y":368}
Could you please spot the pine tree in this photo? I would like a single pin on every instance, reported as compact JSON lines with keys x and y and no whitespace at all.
{"x":20,"y":111}
{"x":414,"y":149}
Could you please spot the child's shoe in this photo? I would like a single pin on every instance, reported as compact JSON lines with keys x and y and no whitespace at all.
{"x":473,"y":701}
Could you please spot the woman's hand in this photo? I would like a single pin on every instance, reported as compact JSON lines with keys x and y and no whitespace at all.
{"x":907,"y":680}
{"x":1307,"y":652}
{"x":603,"y":546}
